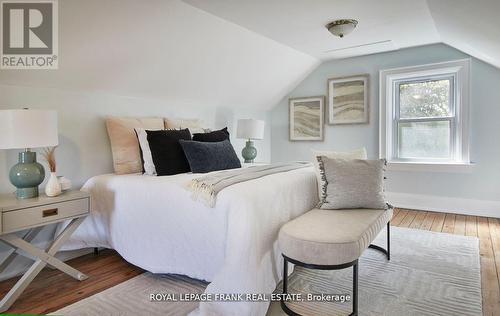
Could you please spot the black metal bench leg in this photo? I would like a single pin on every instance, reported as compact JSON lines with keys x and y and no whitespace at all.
{"x":285,"y":275}
{"x":387,"y":251}
{"x":285,"y":308}
{"x":354,"y":290}
{"x":389,"y":240}
{"x":355,"y":275}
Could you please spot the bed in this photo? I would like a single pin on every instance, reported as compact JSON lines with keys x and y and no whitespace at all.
{"x":155,"y":224}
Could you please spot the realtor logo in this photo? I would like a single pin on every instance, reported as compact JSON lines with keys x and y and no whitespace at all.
{"x":29,"y":32}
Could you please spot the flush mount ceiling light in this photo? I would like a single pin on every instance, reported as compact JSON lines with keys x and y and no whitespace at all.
{"x":341,"y":27}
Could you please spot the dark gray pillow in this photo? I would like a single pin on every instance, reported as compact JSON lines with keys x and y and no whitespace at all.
{"x":352,"y":183}
{"x":205,"y":157}
{"x":213,"y":136}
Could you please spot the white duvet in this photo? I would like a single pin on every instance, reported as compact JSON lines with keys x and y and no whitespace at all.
{"x":153,"y":223}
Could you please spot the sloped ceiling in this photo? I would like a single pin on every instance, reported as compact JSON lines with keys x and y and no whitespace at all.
{"x":169,"y":50}
{"x":240,"y":53}
{"x":384,"y":25}
{"x":301,"y":23}
{"x":470,"y":26}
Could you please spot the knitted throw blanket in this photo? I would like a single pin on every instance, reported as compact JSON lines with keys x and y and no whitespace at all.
{"x":206,"y":188}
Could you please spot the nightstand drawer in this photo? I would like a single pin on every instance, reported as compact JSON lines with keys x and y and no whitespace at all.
{"x":41,"y":215}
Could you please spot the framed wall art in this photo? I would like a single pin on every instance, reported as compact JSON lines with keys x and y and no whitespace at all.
{"x":306,"y":118}
{"x":348,"y":100}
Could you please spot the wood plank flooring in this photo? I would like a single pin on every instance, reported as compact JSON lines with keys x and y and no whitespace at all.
{"x":52,"y":290}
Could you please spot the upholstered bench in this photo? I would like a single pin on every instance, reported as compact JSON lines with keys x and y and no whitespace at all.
{"x":332,"y":240}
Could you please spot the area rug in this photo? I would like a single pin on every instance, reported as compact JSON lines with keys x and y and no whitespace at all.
{"x":429,"y":274}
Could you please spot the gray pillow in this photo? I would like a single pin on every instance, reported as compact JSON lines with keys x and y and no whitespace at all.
{"x":349,"y":184}
{"x":205,"y":156}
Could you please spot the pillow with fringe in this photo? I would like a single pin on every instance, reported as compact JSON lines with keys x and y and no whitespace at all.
{"x":352,"y":183}
{"x":355,"y":154}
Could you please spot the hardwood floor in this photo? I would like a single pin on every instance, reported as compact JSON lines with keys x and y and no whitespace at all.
{"x":52,"y":290}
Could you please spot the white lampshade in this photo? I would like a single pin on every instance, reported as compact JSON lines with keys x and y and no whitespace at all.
{"x":28,"y":129}
{"x":250,"y":129}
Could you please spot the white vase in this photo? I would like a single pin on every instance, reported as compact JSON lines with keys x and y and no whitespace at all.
{"x":53,"y":187}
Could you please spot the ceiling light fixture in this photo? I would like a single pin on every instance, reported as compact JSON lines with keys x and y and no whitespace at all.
{"x":341,"y":27}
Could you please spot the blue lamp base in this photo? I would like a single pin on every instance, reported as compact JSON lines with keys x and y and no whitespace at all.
{"x":27,"y":175}
{"x":249,"y":152}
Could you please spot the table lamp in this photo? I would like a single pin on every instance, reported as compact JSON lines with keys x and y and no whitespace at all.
{"x":250,"y":129}
{"x":25,"y":129}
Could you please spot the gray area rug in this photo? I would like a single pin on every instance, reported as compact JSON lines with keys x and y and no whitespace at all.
{"x":429,"y":274}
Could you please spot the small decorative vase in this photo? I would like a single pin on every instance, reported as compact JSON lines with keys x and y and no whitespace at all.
{"x":53,"y":187}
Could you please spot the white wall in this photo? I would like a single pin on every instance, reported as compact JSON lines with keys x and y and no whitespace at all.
{"x":160,"y":57}
{"x":145,"y":58}
{"x":479,"y":189}
{"x":84,"y":149}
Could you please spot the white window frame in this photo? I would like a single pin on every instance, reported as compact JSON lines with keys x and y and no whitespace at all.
{"x":458,"y":71}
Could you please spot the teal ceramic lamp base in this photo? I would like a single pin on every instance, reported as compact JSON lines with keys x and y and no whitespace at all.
{"x":249,"y":152}
{"x":27,"y":175}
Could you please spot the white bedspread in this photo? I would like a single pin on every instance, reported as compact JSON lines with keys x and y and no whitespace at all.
{"x":153,"y":223}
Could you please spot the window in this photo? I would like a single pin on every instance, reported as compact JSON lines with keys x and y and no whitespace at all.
{"x":424,"y":114}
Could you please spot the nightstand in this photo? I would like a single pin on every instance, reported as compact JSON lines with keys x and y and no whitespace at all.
{"x":31,"y":215}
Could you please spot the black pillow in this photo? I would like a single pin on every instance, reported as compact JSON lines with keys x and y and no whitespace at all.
{"x":210,"y":156}
{"x":166,"y":151}
{"x":215,"y":136}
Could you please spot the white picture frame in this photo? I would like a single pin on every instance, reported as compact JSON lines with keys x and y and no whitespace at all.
{"x":348,"y":100}
{"x":306,"y":118}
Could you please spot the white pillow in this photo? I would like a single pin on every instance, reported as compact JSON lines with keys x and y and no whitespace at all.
{"x":355,"y":154}
{"x":148,"y":165}
{"x":194,"y":125}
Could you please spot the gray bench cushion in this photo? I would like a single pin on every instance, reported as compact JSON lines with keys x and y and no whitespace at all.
{"x":331,"y":237}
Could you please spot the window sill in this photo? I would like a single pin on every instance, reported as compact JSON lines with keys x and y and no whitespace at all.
{"x":430,"y":166}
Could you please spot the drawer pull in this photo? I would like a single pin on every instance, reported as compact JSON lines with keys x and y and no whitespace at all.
{"x":51,"y":212}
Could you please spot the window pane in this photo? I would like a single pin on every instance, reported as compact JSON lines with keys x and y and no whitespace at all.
{"x":425,"y":99}
{"x":424,"y":139}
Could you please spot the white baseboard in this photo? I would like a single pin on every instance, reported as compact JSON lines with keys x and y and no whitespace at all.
{"x":445,"y":204}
